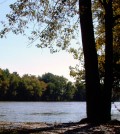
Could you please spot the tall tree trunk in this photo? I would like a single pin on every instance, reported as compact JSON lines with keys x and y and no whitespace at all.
{"x":108,"y":81}
{"x":93,"y":92}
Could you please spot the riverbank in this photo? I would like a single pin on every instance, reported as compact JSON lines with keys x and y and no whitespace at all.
{"x":112,"y":127}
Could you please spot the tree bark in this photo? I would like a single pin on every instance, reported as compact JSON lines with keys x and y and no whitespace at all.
{"x":108,"y":81}
{"x":93,"y":92}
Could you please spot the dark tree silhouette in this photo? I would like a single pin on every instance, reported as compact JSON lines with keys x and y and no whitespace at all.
{"x":98,"y":102}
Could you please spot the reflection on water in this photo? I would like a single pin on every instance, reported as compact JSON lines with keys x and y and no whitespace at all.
{"x":2,"y":115}
{"x":49,"y":112}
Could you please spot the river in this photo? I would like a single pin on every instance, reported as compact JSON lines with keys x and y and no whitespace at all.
{"x":49,"y":112}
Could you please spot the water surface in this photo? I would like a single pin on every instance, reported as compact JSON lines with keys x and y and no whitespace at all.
{"x":49,"y":112}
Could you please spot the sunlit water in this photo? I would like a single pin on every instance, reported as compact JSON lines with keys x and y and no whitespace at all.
{"x":49,"y":112}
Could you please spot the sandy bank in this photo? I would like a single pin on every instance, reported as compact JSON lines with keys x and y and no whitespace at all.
{"x":112,"y":127}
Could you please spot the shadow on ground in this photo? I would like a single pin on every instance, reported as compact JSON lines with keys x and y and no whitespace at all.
{"x":112,"y":127}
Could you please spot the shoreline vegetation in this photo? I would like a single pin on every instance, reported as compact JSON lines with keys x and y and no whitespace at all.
{"x":112,"y":127}
{"x":48,"y":87}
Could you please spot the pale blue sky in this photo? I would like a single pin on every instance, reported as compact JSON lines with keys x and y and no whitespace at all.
{"x":17,"y":56}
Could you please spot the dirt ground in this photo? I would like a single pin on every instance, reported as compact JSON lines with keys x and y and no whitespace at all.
{"x":112,"y":127}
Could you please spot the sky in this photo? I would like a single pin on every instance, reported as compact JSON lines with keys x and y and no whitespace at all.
{"x":17,"y":56}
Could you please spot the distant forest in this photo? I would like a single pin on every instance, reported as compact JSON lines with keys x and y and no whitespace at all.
{"x":48,"y":87}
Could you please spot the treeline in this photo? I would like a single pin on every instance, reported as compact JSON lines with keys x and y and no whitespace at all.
{"x":48,"y":87}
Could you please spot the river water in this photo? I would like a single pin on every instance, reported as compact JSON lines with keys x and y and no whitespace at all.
{"x":49,"y":112}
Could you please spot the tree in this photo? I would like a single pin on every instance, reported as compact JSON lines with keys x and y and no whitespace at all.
{"x":93,"y":92}
{"x":14,"y":80}
{"x":69,"y":92}
{"x":4,"y":83}
{"x":108,"y":81}
{"x":80,"y":92}
{"x":49,"y":93}
{"x":100,"y":40}
{"x":56,"y":87}
{"x":31,"y":87}
{"x":108,"y":32}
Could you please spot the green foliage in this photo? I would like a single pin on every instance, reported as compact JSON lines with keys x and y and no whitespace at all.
{"x":80,"y":91}
{"x":69,"y":93}
{"x":4,"y":82}
{"x":49,"y":87}
{"x":99,"y":14}
{"x":78,"y":72}
{"x":54,"y":23}
{"x":58,"y":89}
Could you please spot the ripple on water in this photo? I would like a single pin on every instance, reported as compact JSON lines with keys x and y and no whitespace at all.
{"x":49,"y":113}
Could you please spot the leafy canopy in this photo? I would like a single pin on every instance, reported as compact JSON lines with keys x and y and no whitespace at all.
{"x":53,"y":22}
